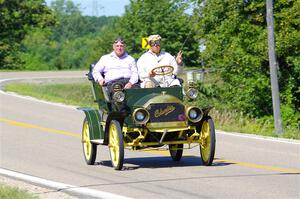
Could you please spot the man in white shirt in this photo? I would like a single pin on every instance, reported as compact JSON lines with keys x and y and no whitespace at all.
{"x":116,"y":66}
{"x":153,"y":58}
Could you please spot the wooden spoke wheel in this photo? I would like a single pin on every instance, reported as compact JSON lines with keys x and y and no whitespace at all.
{"x":208,"y":141}
{"x":116,"y":147}
{"x":89,"y":149}
{"x":176,"y":151}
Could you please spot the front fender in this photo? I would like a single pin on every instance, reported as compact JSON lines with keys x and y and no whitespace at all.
{"x":94,"y":119}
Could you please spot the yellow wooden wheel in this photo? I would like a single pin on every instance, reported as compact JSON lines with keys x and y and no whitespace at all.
{"x":89,"y":149}
{"x":208,"y":141}
{"x":116,"y":147}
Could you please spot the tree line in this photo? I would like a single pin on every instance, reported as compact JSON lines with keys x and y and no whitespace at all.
{"x":37,"y":37}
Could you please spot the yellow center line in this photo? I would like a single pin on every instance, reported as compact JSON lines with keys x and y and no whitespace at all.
{"x":165,"y":152}
{"x":259,"y":166}
{"x":26,"y":125}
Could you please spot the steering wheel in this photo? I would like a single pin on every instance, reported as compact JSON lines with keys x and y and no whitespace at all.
{"x":162,"y":70}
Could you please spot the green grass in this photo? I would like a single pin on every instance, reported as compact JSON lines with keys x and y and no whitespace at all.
{"x":80,"y":94}
{"x":237,"y":122}
{"x":7,"y":192}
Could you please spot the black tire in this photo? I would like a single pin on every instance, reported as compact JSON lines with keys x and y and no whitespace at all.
{"x":89,"y":149}
{"x":116,"y":147}
{"x":208,"y":145}
{"x":176,"y":151}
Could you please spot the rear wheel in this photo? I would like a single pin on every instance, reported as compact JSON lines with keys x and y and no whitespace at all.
{"x":208,"y":141}
{"x":89,"y":149}
{"x":176,"y":151}
{"x":116,"y":147}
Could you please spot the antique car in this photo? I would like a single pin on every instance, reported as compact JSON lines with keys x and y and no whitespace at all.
{"x":151,"y":118}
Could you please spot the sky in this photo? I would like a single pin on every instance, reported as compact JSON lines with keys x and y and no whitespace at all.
{"x":100,"y":7}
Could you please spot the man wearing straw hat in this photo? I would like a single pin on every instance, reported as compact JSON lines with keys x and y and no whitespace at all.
{"x":155,"y":58}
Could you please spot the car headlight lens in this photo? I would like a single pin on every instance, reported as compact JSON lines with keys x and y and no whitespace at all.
{"x":141,"y":116}
{"x":119,"y":96}
{"x":194,"y":114}
{"x":192,"y":93}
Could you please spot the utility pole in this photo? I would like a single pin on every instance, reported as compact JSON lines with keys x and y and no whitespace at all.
{"x":273,"y":69}
{"x":96,"y":7}
{"x":95,"y":11}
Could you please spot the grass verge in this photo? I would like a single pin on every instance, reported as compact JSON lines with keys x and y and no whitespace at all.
{"x":237,"y":122}
{"x":15,"y":193}
{"x":77,"y":94}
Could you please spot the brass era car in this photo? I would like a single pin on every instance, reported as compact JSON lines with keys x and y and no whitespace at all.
{"x":140,"y":118}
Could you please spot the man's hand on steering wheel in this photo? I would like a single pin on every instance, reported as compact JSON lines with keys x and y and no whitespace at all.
{"x":151,"y":74}
{"x":162,"y":70}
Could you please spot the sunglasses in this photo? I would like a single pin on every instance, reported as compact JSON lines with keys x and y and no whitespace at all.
{"x":121,"y":40}
{"x":155,"y":43}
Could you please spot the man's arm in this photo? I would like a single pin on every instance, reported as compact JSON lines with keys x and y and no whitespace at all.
{"x":134,"y":75}
{"x":179,"y":59}
{"x":98,"y":69}
{"x":177,"y":63}
{"x":134,"y":72}
{"x":142,"y":68}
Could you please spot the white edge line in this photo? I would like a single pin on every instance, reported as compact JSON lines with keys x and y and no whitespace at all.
{"x":38,"y":100}
{"x":259,"y":137}
{"x":61,"y":186}
{"x":33,"y":98}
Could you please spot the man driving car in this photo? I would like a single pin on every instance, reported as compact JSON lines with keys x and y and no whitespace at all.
{"x":158,"y":68}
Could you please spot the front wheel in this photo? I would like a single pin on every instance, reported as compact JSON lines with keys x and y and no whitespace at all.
{"x":176,"y":151}
{"x":208,"y":141}
{"x":89,"y":149}
{"x":116,"y":147}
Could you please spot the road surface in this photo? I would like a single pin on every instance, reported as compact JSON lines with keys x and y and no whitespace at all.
{"x":42,"y":140}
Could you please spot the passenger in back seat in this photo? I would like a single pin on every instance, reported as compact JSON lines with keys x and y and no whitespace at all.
{"x":116,"y":66}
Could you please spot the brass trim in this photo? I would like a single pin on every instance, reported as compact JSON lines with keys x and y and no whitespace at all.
{"x":147,"y":144}
{"x":147,"y":117}
{"x":116,"y":98}
{"x":162,"y":97}
{"x":188,"y":116}
{"x":171,"y":126}
{"x":192,"y":90}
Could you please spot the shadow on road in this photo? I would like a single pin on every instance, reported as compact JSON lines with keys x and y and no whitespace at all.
{"x":161,"y":162}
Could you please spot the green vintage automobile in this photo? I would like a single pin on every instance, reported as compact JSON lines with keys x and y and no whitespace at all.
{"x":140,"y":118}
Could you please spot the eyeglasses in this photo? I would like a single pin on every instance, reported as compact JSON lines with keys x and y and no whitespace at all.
{"x":155,"y":43}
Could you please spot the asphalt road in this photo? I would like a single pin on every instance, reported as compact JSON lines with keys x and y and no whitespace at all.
{"x":43,"y":140}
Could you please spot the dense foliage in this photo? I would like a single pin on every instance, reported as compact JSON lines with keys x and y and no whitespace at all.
{"x":166,"y":18}
{"x":17,"y":19}
{"x":74,"y":42}
{"x":235,"y":34}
